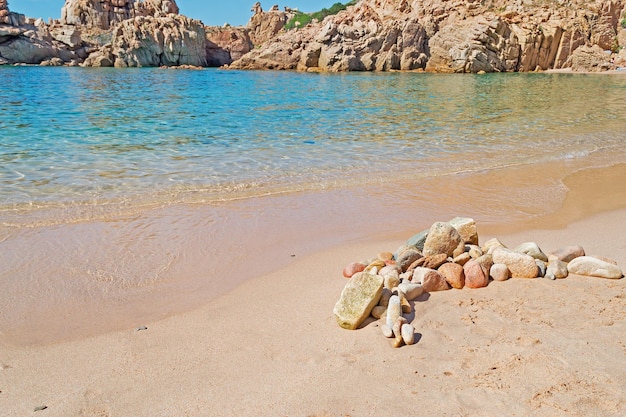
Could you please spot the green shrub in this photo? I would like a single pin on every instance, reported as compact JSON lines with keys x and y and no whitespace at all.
{"x":304,"y":19}
{"x":299,"y":20}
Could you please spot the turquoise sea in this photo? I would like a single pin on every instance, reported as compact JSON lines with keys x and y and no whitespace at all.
{"x":129,"y":195}
{"x":72,"y":139}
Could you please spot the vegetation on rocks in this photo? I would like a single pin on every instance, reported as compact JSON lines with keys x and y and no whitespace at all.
{"x":302,"y":19}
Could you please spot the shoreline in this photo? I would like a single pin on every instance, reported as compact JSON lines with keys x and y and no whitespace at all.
{"x":525,"y":346}
{"x":194,"y":255}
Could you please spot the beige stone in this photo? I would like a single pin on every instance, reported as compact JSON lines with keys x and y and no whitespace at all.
{"x":392,"y":280}
{"x":385,"y":256}
{"x":408,"y":334}
{"x":443,"y":238}
{"x":520,"y":264}
{"x":491,"y":245}
{"x":387,"y":331}
{"x":359,"y":296}
{"x":378,"y":264}
{"x":589,"y":266}
{"x":411,"y":290}
{"x":462,"y":258}
{"x":404,"y":303}
{"x":397,"y":331}
{"x":474,"y":251}
{"x":532,"y":249}
{"x":499,"y":272}
{"x":466,"y":228}
{"x":394,"y":310}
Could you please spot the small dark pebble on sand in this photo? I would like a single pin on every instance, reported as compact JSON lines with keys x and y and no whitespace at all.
{"x":41,"y":408}
{"x":140,"y":328}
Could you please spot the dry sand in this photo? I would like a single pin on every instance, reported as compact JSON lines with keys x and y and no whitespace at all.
{"x":272,"y":347}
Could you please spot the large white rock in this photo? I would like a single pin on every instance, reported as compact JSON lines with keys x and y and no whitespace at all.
{"x":593,"y":267}
{"x":360,"y":295}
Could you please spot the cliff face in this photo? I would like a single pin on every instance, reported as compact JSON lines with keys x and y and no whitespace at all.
{"x":104,"y":14}
{"x":30,"y":41}
{"x":87,"y":24}
{"x":155,"y":41}
{"x":451,"y":36}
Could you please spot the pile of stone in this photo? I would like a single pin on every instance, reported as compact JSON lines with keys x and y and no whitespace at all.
{"x":443,"y":257}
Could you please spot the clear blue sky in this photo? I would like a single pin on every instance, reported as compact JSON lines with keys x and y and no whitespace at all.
{"x":211,"y":12}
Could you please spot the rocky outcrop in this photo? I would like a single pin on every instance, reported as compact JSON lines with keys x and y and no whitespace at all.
{"x":226,"y":44}
{"x":4,"y":11}
{"x":28,"y":41}
{"x":104,"y":14}
{"x":372,"y":35}
{"x":474,"y":45}
{"x":447,"y":36}
{"x":263,"y":26}
{"x":589,"y":59}
{"x":159,"y":41}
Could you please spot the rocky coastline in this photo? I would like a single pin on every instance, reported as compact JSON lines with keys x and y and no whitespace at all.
{"x":463,"y":36}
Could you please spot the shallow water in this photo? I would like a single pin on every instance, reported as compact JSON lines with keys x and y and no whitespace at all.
{"x":129,"y":195}
{"x":88,"y":144}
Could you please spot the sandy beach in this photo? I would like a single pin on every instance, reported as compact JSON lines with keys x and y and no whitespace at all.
{"x":271,"y":346}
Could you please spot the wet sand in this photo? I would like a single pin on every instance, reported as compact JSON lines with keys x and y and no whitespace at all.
{"x":270,"y":345}
{"x":70,"y":281}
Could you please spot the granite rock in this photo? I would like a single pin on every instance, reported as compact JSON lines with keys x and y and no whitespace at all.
{"x":159,"y":41}
{"x":443,"y":238}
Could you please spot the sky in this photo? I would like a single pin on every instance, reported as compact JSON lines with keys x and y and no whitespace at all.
{"x":211,"y":12}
